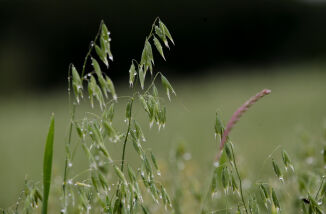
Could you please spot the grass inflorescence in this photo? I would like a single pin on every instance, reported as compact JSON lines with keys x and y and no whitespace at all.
{"x":113,"y":183}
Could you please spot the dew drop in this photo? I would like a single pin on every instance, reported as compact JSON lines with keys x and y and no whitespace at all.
{"x":281,"y":179}
{"x":187,"y":156}
{"x":216,"y":164}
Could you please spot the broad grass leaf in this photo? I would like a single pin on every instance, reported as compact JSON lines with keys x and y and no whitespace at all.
{"x":47,"y":165}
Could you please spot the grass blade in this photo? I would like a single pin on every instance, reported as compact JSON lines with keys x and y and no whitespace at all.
{"x":47,"y":165}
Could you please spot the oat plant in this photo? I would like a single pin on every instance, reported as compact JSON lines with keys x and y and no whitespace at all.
{"x":108,"y":185}
{"x":122,"y":192}
{"x":116,"y":184}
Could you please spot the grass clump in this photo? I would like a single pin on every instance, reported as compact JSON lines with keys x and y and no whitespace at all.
{"x":113,"y":183}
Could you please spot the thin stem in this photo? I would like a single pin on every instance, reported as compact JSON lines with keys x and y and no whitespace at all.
{"x":133,"y":60}
{"x":74,"y":108}
{"x":91,"y":48}
{"x":67,"y":145}
{"x":205,"y":196}
{"x":153,"y":81}
{"x":126,"y":138}
{"x":321,"y":185}
{"x":153,"y":25}
{"x":240,"y":181}
{"x":123,"y":154}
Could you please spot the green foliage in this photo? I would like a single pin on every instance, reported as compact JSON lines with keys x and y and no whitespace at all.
{"x":115,"y":185}
{"x":98,"y":131}
{"x":47,"y":166}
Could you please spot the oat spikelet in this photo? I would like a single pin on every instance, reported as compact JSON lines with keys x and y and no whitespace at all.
{"x":236,"y":116}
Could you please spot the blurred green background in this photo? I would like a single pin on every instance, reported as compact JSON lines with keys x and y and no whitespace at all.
{"x":226,"y":51}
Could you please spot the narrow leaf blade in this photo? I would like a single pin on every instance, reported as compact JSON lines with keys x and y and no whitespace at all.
{"x":47,"y":165}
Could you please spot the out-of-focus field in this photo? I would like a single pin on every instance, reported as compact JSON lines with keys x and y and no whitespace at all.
{"x":296,"y":106}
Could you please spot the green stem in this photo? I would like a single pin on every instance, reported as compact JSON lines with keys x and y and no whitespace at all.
{"x":240,"y":181}
{"x":93,"y":43}
{"x":153,"y":25}
{"x":67,"y":145}
{"x":205,"y":196}
{"x":74,"y":109}
{"x":123,"y":155}
{"x":153,"y":81}
{"x":321,"y":185}
{"x":126,"y":138}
